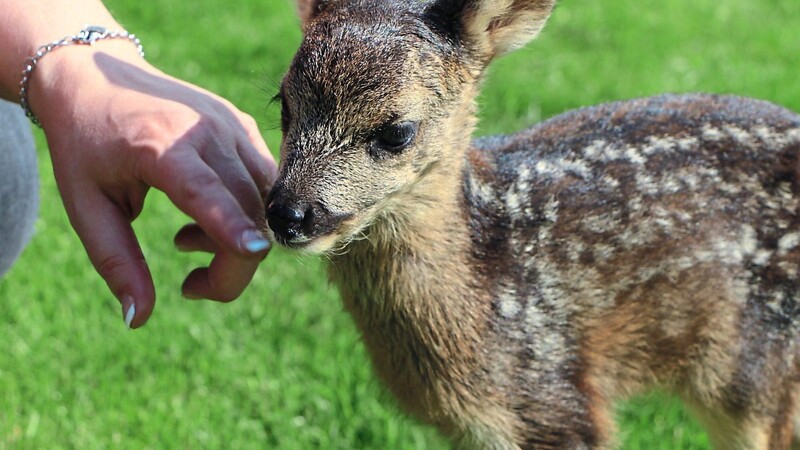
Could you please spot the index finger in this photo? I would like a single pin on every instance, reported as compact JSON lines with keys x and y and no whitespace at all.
{"x":197,"y":190}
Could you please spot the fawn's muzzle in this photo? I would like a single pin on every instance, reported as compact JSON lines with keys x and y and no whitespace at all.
{"x":295,"y":221}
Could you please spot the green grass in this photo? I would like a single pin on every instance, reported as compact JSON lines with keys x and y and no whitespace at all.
{"x":282,"y":367}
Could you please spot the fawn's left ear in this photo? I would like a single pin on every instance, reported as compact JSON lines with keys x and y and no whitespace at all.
{"x":493,"y":27}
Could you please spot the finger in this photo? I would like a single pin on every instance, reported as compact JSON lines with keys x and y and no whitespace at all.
{"x":224,"y":279}
{"x":192,"y":238}
{"x":199,"y":192}
{"x":256,"y":155}
{"x":231,"y":170}
{"x":258,"y":168}
{"x":112,"y":247}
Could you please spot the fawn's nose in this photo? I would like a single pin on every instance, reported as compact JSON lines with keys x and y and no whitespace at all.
{"x":296,"y":219}
{"x":286,"y":220}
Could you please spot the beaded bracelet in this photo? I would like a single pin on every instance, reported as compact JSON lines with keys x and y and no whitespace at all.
{"x":87,"y":36}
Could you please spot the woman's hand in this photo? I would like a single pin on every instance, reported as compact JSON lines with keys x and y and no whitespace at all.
{"x":117,"y":126}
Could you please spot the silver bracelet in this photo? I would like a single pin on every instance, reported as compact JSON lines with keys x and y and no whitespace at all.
{"x":87,"y":36}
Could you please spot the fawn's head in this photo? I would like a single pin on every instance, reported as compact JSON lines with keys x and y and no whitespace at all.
{"x":379,"y":97}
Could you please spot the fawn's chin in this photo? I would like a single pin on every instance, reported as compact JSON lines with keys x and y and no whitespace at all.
{"x":317,"y":245}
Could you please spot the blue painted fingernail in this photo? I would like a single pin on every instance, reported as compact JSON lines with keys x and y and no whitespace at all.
{"x":129,"y":315}
{"x":254,"y":242}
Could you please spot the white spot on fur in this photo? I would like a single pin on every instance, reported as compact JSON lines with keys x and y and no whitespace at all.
{"x":774,"y":301}
{"x":575,"y":248}
{"x":761,"y":257}
{"x":512,"y":200}
{"x":769,"y":137}
{"x":522,"y":181}
{"x":657,"y":144}
{"x":635,"y":203}
{"x":507,"y":304}
{"x":594,"y":149}
{"x":576,"y":167}
{"x":789,"y":268}
{"x":524,"y":175}
{"x":612,"y":182}
{"x":551,"y":209}
{"x":734,"y":251}
{"x":544,"y":233}
{"x":547,"y":343}
{"x":634,"y":157}
{"x":663,"y":219}
{"x":601,"y":223}
{"x":637,"y":235}
{"x":603,"y":252}
{"x":559,"y":168}
{"x":728,"y":188}
{"x":690,"y":178}
{"x":646,"y":184}
{"x":711,"y":133}
{"x":740,"y":135}
{"x":483,"y":191}
{"x":661,"y":144}
{"x":687,"y":143}
{"x":670,"y":185}
{"x":788,"y":242}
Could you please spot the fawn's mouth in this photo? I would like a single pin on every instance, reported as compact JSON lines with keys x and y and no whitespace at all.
{"x":310,"y":245}
{"x":295,"y":243}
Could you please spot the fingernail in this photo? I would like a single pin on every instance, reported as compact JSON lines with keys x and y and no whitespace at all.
{"x":129,"y":315}
{"x":254,"y":242}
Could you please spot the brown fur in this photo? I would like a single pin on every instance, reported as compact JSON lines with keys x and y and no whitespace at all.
{"x":511,"y":289}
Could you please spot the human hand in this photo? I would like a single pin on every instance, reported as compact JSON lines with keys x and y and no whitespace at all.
{"x":117,"y":126}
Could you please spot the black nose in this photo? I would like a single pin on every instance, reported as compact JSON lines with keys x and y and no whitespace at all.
{"x":286,"y":220}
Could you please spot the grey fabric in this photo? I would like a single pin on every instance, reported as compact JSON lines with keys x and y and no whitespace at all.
{"x":19,"y":183}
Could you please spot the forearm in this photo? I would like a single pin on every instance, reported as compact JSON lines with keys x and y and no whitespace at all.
{"x":24,"y":26}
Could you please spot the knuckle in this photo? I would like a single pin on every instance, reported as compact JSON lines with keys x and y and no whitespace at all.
{"x":150,"y":136}
{"x":249,"y":123}
{"x":195,"y":187}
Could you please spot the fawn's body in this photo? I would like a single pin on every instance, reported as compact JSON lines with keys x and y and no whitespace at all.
{"x":510,"y":290}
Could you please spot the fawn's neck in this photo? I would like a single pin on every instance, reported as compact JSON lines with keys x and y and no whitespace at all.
{"x":411,"y":290}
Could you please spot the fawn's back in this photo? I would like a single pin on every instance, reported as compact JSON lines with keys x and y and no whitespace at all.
{"x":649,"y":242}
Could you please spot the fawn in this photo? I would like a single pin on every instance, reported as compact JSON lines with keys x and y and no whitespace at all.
{"x":510,"y":289}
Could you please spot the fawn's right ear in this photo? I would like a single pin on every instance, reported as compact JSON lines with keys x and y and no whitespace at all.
{"x":491,"y":27}
{"x":308,"y":9}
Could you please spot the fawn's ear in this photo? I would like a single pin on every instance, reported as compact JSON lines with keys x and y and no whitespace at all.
{"x":493,"y":27}
{"x":308,"y":9}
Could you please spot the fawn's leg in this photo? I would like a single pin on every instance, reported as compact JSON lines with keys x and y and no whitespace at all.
{"x":749,"y":433}
{"x":770,"y":425}
{"x":573,"y":417}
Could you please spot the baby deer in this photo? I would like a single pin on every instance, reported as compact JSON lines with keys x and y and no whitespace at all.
{"x":510,"y":289}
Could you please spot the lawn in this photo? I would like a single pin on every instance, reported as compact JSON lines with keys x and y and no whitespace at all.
{"x":283,"y":367}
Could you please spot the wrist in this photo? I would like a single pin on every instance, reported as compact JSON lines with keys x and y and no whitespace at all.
{"x":61,"y":66}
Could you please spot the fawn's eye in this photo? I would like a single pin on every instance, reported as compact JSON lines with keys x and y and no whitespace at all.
{"x":397,"y":136}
